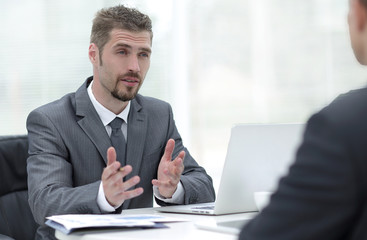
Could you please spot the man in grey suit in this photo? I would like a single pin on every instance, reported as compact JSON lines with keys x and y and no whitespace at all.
{"x":72,"y":167}
{"x":324,"y":195}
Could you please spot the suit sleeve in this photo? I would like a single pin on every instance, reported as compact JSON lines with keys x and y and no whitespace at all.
{"x":50,"y":174}
{"x":197,"y":184}
{"x":318,"y":197}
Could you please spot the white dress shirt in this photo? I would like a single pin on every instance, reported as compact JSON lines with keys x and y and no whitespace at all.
{"x":106,"y":117}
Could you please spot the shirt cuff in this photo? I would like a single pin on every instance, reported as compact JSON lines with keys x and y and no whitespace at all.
{"x":177,"y":197}
{"x":102,"y":201}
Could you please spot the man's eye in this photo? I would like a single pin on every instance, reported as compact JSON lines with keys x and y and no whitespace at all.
{"x":122,"y":52}
{"x":144,"y":54}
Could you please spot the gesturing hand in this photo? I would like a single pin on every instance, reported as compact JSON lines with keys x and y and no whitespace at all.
{"x":115,"y":189}
{"x":169,"y":172}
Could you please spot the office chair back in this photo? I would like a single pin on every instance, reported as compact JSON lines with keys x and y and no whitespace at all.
{"x":16,"y":219}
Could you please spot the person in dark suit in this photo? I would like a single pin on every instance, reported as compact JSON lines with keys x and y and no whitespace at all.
{"x":72,"y":167}
{"x":324,"y":195}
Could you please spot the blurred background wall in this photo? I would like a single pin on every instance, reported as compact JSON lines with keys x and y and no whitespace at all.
{"x":217,"y":62}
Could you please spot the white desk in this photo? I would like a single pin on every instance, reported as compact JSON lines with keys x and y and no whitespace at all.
{"x":176,"y":231}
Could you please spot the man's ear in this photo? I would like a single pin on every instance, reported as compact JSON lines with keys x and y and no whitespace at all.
{"x":93,"y":53}
{"x":360,"y":14}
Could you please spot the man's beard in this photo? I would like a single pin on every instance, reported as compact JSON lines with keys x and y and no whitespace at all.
{"x":124,"y":96}
{"x":130,"y":92}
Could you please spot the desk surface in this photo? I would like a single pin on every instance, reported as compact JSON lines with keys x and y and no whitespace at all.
{"x":176,"y":231}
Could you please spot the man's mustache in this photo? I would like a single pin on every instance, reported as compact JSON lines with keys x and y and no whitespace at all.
{"x":131,"y":74}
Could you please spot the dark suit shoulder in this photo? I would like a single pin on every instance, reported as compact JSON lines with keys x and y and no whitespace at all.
{"x":342,"y":127}
{"x":347,"y":109}
{"x":58,"y":107}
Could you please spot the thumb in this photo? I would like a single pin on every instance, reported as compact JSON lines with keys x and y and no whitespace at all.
{"x":111,"y":155}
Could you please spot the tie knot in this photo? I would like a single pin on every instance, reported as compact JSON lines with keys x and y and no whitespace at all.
{"x":116,"y":123}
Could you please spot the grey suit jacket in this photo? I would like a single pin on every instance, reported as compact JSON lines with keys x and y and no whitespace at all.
{"x":68,"y":145}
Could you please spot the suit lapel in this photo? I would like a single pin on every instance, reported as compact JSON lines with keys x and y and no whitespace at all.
{"x":90,"y":122}
{"x":136,"y":132}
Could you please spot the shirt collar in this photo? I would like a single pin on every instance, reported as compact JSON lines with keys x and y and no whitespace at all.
{"x":106,"y":115}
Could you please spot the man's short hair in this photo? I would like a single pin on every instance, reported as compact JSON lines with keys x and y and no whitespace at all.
{"x":119,"y":17}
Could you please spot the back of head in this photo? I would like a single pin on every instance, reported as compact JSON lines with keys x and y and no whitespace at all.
{"x":119,"y":17}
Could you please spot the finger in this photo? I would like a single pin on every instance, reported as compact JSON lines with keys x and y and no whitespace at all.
{"x":179,"y":167}
{"x":174,"y":172}
{"x":175,"y":168}
{"x":132,"y":193}
{"x":111,"y":155}
{"x":118,"y":176}
{"x":110,"y":171}
{"x":114,"y":173}
{"x":155,"y":182}
{"x":170,"y":146}
{"x":112,"y":164}
{"x":164,"y":184}
{"x":178,"y":161}
{"x":181,"y":155}
{"x":131,"y":182}
{"x":126,"y":170}
{"x":158,"y":183}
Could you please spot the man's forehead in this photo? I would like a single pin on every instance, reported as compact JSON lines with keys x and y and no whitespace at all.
{"x":130,"y":37}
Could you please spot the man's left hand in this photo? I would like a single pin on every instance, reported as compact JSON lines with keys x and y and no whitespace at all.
{"x":169,"y":172}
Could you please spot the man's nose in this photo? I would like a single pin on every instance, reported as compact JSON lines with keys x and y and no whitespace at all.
{"x":134,"y":64}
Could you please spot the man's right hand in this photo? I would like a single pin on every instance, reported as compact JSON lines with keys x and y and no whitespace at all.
{"x":115,"y":189}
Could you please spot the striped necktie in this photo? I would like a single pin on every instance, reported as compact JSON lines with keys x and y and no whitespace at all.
{"x":118,"y":140}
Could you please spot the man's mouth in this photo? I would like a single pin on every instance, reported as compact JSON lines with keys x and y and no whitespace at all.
{"x":130,"y":81}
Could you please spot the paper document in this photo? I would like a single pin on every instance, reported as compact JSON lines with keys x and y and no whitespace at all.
{"x":71,"y":222}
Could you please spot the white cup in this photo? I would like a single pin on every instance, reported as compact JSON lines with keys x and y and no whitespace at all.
{"x":262,"y":199}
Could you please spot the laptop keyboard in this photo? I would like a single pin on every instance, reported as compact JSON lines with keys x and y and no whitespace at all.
{"x":205,"y":207}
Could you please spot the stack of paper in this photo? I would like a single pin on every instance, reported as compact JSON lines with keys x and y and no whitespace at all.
{"x":71,"y":222}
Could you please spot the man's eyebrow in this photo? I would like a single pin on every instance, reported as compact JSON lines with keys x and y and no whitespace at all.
{"x":122,"y":45}
{"x":146,"y":50}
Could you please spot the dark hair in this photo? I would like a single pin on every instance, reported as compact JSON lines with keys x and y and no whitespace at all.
{"x":119,"y":17}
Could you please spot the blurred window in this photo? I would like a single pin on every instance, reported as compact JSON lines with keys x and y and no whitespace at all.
{"x":217,"y":62}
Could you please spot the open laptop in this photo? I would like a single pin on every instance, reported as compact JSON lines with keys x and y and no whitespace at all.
{"x":257,"y":156}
